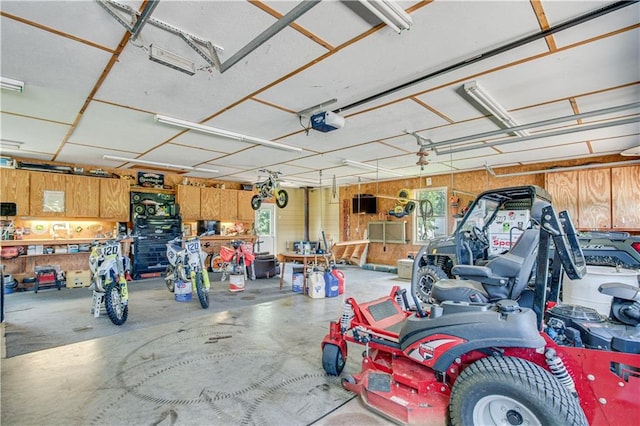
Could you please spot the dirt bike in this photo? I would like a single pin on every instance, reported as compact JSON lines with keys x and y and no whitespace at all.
{"x":187,"y":263}
{"x":236,"y":259}
{"x":269,"y":188}
{"x":108,"y":281}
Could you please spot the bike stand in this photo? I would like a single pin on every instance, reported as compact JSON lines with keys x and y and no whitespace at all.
{"x":96,"y":303}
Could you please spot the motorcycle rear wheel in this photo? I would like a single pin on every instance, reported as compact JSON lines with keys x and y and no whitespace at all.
{"x":117,"y":309}
{"x":203,"y":294}
{"x":256,"y":202}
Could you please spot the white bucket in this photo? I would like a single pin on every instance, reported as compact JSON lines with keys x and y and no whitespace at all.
{"x":585,"y":292}
{"x":236,"y":282}
{"x":182,"y":291}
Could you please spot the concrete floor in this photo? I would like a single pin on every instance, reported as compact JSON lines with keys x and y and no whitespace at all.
{"x":252,"y":358}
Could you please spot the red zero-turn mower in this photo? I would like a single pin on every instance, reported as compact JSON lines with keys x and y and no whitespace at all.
{"x":494,"y":346}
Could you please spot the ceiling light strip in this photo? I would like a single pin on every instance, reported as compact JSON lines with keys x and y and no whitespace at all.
{"x":13,"y":144}
{"x":10,"y":84}
{"x":156,"y":163}
{"x":486,"y":101}
{"x":223,"y":133}
{"x":389,"y":13}
{"x":366,"y":166}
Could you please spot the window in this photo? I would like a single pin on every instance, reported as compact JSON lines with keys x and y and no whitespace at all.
{"x":430,"y":220}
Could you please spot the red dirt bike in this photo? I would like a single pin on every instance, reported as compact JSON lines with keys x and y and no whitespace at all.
{"x":236,"y":260}
{"x":495,"y":347}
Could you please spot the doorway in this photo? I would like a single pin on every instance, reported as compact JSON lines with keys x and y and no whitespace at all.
{"x":265,"y":225}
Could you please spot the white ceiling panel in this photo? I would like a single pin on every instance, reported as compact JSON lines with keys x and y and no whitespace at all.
{"x":64,"y":51}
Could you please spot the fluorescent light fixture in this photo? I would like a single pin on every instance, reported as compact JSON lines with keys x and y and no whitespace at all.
{"x":9,"y":84}
{"x":223,"y":133}
{"x":13,"y":144}
{"x":389,"y":13}
{"x":155,"y":163}
{"x":478,"y":94}
{"x":366,"y":166}
{"x":172,"y":60}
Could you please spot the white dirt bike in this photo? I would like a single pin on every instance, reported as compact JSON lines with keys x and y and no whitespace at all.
{"x":269,"y":188}
{"x":108,"y":281}
{"x":187,"y":263}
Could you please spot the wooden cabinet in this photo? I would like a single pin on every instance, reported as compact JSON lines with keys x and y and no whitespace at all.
{"x":229,"y":204}
{"x":52,"y":185}
{"x":210,"y":203}
{"x":82,"y":196}
{"x":598,"y":199}
{"x":188,"y":197}
{"x":563,"y":187}
{"x":625,"y":197}
{"x":114,"y":199}
{"x":14,"y":188}
{"x":245,"y":212}
{"x":594,"y":195}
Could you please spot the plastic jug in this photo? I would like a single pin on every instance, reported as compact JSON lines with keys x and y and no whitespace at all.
{"x":331,"y":284}
{"x":316,"y":285}
{"x":340,"y":276}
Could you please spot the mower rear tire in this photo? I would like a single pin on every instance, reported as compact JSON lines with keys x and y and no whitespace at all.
{"x":332,"y":359}
{"x":512,"y":391}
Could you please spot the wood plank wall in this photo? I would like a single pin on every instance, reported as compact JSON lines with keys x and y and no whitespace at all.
{"x":353,"y":226}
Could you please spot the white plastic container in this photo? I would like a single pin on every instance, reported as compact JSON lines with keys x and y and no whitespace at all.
{"x":182,"y":291}
{"x":316,"y":285}
{"x":236,"y":282}
{"x":585,"y":292}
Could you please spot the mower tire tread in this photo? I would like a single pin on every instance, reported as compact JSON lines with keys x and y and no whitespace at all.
{"x":332,"y":359}
{"x":518,"y":379}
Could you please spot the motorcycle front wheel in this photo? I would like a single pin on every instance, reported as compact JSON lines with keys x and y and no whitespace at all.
{"x":170,"y":278}
{"x":203,"y":294}
{"x":117,"y":309}
{"x":256,"y":202}
{"x":282,"y":198}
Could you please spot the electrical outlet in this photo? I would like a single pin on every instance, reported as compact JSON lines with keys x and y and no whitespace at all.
{"x":428,"y":181}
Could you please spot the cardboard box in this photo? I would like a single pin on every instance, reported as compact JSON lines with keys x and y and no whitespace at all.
{"x":78,"y":278}
{"x":73,"y":248}
{"x":405,"y":268}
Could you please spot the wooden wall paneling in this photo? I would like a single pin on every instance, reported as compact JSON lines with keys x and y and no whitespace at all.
{"x":82,"y":196}
{"x":563,"y":187}
{"x":594,"y":194}
{"x":114,"y":199}
{"x":625,"y":197}
{"x":14,"y":188}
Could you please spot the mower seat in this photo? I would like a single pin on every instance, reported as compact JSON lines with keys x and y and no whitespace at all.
{"x":503,"y":277}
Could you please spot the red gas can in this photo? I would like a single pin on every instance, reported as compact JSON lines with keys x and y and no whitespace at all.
{"x":340,"y":276}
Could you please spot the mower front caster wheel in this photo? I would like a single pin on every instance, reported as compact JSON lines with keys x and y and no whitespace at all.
{"x":332,"y":359}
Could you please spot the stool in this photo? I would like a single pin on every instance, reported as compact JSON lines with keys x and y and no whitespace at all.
{"x":46,"y":276}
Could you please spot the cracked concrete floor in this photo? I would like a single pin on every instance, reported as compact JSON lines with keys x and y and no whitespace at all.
{"x":256,"y":364}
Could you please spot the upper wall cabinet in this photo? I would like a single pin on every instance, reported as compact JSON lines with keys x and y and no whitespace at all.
{"x":188,"y":197}
{"x":210,"y":203}
{"x":598,"y":199}
{"x":14,"y":188}
{"x":83,"y":196}
{"x":48,"y":195}
{"x":625,"y":197}
{"x":245,"y":211}
{"x":114,"y":199}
